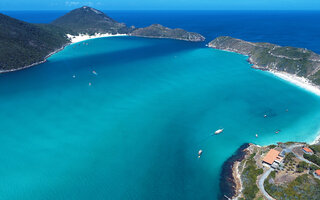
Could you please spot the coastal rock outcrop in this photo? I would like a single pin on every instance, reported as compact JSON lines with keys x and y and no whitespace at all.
{"x":265,"y":56}
{"x":229,"y":183}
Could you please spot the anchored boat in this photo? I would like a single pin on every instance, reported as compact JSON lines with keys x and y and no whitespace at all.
{"x":199,"y":153}
{"x":218,"y":131}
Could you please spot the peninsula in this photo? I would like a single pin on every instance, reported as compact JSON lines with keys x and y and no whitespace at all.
{"x":284,"y":171}
{"x":24,"y":44}
{"x":159,"y":31}
{"x":297,"y":65}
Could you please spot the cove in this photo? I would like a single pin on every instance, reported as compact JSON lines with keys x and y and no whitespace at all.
{"x":136,"y":131}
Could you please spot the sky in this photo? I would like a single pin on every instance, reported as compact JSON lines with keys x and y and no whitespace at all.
{"x":162,"y":4}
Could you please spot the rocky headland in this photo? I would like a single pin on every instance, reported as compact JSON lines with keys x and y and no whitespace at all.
{"x":270,"y":57}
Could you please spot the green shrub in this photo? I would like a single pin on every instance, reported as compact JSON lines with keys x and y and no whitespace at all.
{"x":289,"y":158}
{"x":272,"y":146}
{"x":313,"y":167}
{"x":313,"y":158}
{"x":315,"y":148}
{"x":249,"y":178}
{"x":302,"y":166}
{"x":303,"y":187}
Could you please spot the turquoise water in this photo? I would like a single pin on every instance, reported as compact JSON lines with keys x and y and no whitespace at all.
{"x":135,"y":132}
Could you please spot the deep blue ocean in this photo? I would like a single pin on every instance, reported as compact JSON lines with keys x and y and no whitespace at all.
{"x":287,"y":28}
{"x":135,"y":131}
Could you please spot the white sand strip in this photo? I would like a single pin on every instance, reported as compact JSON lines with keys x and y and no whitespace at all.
{"x":317,"y":140}
{"x":83,"y":37}
{"x":298,"y":81}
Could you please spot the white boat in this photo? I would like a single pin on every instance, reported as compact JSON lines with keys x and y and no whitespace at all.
{"x":94,"y":72}
{"x":199,"y":153}
{"x":218,"y":131}
{"x":257,"y":135}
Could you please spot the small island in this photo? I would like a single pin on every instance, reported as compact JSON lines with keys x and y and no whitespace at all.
{"x":284,"y":171}
{"x":25,"y":44}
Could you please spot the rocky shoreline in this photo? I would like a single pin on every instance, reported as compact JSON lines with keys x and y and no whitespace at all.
{"x":230,"y":185}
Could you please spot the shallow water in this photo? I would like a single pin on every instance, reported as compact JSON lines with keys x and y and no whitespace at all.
{"x":135,"y":132}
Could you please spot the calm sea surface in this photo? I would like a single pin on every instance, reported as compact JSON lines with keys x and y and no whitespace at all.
{"x":135,"y":132}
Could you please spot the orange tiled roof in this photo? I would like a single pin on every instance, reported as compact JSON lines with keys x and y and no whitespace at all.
{"x":306,"y":149}
{"x":271,"y":156}
{"x":318,"y":172}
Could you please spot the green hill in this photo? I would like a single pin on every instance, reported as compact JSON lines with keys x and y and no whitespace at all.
{"x":23,"y":44}
{"x":87,"y":20}
{"x":159,"y":31}
{"x":266,"y":56}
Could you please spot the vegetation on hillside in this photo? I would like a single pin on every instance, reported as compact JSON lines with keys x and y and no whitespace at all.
{"x":249,"y":178}
{"x":87,"y":20}
{"x":159,"y":31}
{"x":288,"y":158}
{"x":303,"y":187}
{"x":298,"y":61}
{"x":315,"y":148}
{"x":313,"y":158}
{"x":23,"y":43}
{"x":302,"y":166}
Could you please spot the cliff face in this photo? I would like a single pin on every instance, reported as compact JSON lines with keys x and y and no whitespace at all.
{"x":266,"y":56}
{"x":159,"y":31}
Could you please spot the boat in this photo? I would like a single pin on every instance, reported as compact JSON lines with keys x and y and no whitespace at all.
{"x":218,"y":131}
{"x":74,"y":76}
{"x":89,"y":84}
{"x":257,"y":135}
{"x":199,"y":153}
{"x":277,"y":131}
{"x":264,"y":116}
{"x":94,"y":72}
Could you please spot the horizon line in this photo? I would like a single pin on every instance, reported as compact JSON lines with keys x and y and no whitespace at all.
{"x":162,"y":9}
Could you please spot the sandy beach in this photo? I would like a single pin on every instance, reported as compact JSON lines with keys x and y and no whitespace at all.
{"x":316,"y":140}
{"x":298,"y":81}
{"x":83,"y":37}
{"x":302,"y":83}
